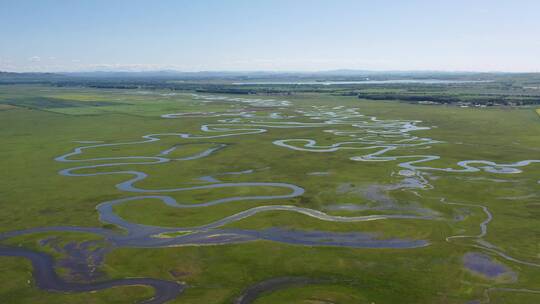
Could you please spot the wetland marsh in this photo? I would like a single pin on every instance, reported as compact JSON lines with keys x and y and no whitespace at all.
{"x":223,"y":198}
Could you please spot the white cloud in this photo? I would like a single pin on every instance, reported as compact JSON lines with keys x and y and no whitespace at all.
{"x":35,"y":59}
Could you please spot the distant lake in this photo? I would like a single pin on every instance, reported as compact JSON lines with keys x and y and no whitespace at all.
{"x":394,"y":81}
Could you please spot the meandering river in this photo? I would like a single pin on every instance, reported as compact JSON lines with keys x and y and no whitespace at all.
{"x":375,"y":137}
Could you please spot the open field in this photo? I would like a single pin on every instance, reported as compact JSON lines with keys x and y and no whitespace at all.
{"x":368,"y":201}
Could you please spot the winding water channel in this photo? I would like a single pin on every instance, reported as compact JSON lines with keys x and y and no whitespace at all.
{"x":46,"y":278}
{"x":366,"y":133}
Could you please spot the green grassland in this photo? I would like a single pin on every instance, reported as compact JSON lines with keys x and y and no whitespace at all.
{"x":39,"y":123}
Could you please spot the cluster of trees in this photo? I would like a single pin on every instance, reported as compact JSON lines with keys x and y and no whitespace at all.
{"x":474,"y":99}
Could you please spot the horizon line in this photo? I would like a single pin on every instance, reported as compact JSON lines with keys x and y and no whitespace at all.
{"x":343,"y":70}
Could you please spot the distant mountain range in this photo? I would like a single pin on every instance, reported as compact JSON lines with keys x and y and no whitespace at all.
{"x":254,"y":75}
{"x":14,"y":74}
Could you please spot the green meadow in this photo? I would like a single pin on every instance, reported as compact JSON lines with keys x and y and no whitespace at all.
{"x":40,"y":123}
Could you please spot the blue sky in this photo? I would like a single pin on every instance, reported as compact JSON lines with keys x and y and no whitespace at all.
{"x":300,"y":35}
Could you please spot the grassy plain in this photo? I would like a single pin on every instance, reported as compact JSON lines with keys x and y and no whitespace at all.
{"x":33,"y":131}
